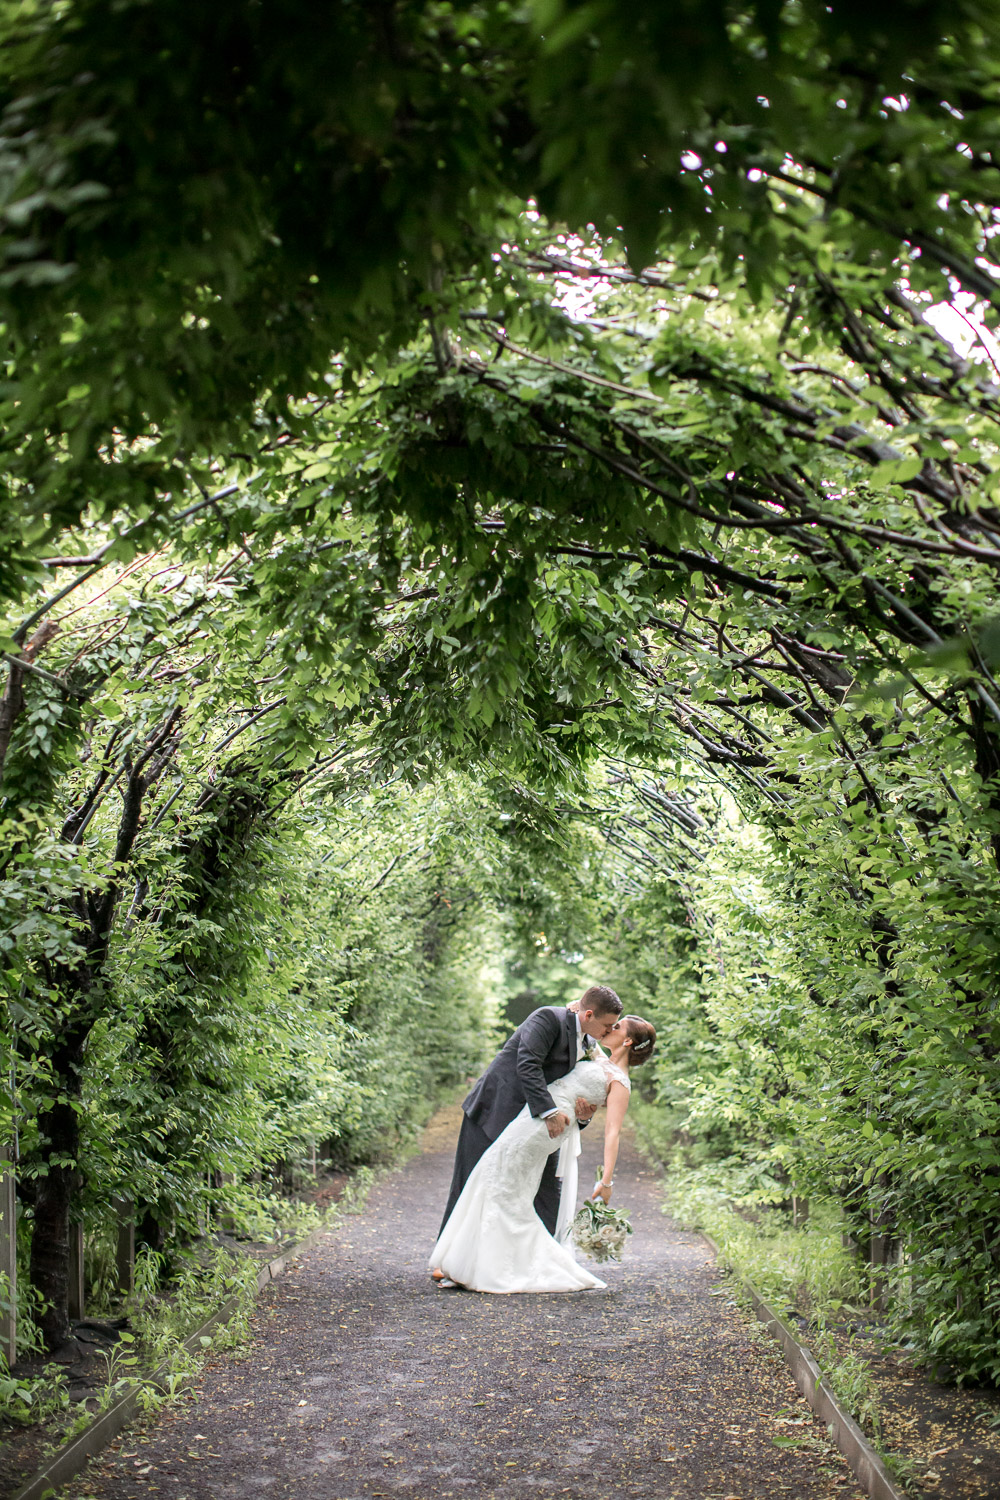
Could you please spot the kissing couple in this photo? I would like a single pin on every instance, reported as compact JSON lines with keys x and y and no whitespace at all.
{"x":513,"y":1195}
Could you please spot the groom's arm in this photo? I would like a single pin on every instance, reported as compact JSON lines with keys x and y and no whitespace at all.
{"x":539,"y":1034}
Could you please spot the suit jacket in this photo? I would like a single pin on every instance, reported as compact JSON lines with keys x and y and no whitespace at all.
{"x":542,"y":1049}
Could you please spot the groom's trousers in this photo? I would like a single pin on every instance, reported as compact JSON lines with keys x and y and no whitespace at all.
{"x":474,"y":1143}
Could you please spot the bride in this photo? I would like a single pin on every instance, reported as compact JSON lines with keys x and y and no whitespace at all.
{"x":494,"y":1241}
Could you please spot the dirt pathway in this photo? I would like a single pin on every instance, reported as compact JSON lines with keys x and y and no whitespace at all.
{"x":365,"y":1381}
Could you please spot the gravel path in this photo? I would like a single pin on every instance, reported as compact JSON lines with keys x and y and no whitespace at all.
{"x":366,"y":1381}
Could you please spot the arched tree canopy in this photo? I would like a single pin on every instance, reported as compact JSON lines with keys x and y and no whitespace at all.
{"x":546,"y":402}
{"x":203,"y":208}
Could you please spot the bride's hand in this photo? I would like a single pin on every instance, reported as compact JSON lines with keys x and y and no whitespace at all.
{"x":604,"y":1193}
{"x":555,"y":1125}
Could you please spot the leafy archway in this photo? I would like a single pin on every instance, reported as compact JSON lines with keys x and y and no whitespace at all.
{"x":440,"y":423}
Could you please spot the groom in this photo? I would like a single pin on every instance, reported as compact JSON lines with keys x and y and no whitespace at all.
{"x":546,"y":1046}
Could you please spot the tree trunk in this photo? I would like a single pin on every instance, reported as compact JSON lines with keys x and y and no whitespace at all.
{"x":80,"y":989}
{"x":60,"y":1129}
{"x":987,"y":760}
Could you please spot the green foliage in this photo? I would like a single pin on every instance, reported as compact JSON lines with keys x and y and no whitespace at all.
{"x":28,"y":1303}
{"x":800,"y":1058}
{"x":164,"y":1313}
{"x":251,"y":1213}
{"x":804,"y":1268}
{"x":880,"y":1083}
{"x":850,"y":1379}
{"x":121,"y":1368}
{"x":295,"y":1011}
{"x":232,"y":227}
{"x":28,"y":1400}
{"x":446,"y":585}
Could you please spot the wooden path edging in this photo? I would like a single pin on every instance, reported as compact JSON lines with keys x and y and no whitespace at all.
{"x":868,"y":1469}
{"x":70,"y":1459}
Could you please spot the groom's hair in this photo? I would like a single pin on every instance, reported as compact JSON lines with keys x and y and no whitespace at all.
{"x":601,"y":1000}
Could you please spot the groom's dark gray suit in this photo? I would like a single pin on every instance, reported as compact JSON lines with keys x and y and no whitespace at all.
{"x":543,"y":1048}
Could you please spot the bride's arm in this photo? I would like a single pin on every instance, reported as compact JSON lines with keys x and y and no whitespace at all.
{"x":616,"y":1109}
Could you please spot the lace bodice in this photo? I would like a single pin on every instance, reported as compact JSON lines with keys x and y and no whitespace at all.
{"x":587,"y":1080}
{"x":616,"y":1074}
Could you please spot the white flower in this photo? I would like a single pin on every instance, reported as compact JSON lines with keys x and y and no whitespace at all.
{"x":600,"y":1232}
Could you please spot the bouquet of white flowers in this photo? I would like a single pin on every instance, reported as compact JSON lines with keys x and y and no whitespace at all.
{"x":600,"y":1232}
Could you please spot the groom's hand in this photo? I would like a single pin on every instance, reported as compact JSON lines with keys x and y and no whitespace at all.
{"x":585,"y":1111}
{"x":555,"y":1125}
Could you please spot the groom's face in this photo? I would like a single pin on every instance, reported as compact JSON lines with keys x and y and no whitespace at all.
{"x":597,"y":1026}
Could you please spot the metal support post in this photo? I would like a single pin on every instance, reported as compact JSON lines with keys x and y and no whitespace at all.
{"x":76,"y":1305}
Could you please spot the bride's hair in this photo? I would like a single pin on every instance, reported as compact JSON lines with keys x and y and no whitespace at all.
{"x":643,"y":1035}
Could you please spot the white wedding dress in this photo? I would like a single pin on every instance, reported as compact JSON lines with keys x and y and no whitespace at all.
{"x":494,"y":1241}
